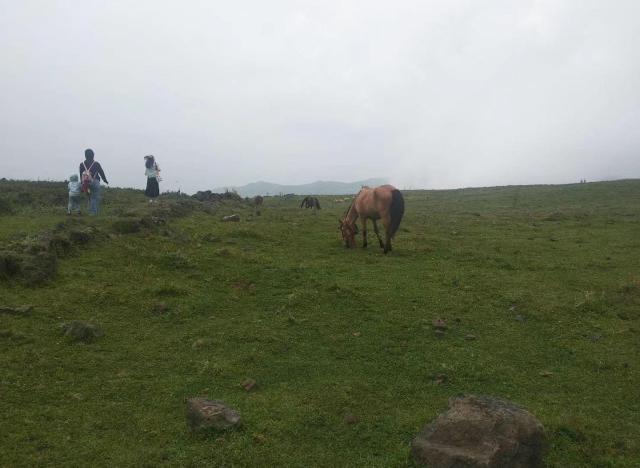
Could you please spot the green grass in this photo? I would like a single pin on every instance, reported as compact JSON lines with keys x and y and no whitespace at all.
{"x":546,"y":277}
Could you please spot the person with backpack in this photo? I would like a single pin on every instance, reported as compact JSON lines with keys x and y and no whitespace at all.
{"x":90,"y":175}
{"x":152,"y":171}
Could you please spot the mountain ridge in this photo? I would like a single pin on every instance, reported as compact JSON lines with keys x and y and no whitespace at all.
{"x":319,"y":187}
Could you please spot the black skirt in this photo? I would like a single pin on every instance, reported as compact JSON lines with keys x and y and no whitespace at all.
{"x":153,"y":189}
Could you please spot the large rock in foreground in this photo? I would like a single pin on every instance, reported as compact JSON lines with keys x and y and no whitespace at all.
{"x":479,"y":431}
{"x":210,"y":414}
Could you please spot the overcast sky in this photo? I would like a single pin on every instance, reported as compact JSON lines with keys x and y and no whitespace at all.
{"x":431,"y":94}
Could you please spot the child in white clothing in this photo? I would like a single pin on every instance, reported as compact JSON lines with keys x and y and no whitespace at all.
{"x":74,"y":194}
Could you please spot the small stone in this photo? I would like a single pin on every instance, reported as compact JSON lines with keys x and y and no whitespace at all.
{"x":440,"y":379}
{"x":203,"y":414}
{"x":439,"y":324}
{"x":356,"y":333}
{"x":223,"y":252}
{"x":20,"y":310}
{"x":80,"y":237}
{"x":595,"y":337}
{"x":259,"y":438}
{"x":81,"y":331}
{"x":519,"y":318}
{"x":351,"y":419}
{"x":439,"y":333}
{"x":160,"y":308}
{"x":470,"y":337}
{"x":233,"y":217}
{"x":546,"y":374}
{"x":248,"y":384}
{"x":199,"y":343}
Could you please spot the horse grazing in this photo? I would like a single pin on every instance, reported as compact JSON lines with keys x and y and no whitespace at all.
{"x":385,"y":203}
{"x":258,"y":200}
{"x":310,"y":202}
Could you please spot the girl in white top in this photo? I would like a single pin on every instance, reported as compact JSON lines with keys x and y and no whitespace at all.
{"x":152,"y":171}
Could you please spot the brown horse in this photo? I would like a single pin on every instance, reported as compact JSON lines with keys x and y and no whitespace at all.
{"x":258,"y":200}
{"x":385,"y":203}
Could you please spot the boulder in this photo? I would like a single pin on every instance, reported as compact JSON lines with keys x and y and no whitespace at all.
{"x":480,"y":431}
{"x":203,"y":414}
{"x":233,"y":217}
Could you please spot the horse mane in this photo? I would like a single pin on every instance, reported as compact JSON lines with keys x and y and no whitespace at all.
{"x":353,"y":200}
{"x":349,"y":208}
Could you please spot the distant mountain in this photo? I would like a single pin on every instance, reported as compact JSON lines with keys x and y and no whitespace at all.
{"x":314,"y":188}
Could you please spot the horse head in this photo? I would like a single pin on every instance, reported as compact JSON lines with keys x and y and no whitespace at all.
{"x":349,"y":231}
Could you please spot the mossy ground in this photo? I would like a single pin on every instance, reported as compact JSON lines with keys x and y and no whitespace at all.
{"x":547,"y":278}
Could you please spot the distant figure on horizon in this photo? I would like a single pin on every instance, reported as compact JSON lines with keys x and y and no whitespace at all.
{"x":75,"y":192}
{"x":90,"y":173}
{"x":152,"y":171}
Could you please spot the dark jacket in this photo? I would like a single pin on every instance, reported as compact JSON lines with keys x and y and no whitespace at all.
{"x":95,"y":170}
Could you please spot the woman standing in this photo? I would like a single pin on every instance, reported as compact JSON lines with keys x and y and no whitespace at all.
{"x":152,"y":171}
{"x":90,"y":175}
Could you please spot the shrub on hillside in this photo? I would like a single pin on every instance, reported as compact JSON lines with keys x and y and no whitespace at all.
{"x":5,"y":207}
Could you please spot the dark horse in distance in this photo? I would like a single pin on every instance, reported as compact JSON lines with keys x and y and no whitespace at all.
{"x":384,"y":203}
{"x":310,"y":202}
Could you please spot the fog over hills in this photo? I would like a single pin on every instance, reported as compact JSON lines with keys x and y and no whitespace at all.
{"x":319,"y":187}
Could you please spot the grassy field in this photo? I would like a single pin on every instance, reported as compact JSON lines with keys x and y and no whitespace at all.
{"x":547,"y":279}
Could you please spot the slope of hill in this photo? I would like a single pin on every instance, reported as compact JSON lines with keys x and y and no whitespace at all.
{"x":319,"y":187}
{"x":539,"y":287}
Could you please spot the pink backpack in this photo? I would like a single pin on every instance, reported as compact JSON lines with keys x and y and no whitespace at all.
{"x":87,"y":177}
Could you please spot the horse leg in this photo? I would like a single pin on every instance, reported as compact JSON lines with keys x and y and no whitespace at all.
{"x":364,"y":233}
{"x":386,"y":221}
{"x":375,"y":229}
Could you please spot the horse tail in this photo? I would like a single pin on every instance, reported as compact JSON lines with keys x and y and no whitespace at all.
{"x":396,"y":211}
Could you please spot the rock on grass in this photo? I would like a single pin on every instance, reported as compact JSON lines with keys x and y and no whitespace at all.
{"x":21,"y":311}
{"x":203,"y":414}
{"x":79,"y":331}
{"x":479,"y":431}
{"x":126,"y":226}
{"x":439,"y":324}
{"x":38,"y":268}
{"x":248,"y":384}
{"x":9,"y":264}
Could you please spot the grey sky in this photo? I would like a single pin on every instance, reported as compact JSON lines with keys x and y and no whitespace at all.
{"x":431,"y":94}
